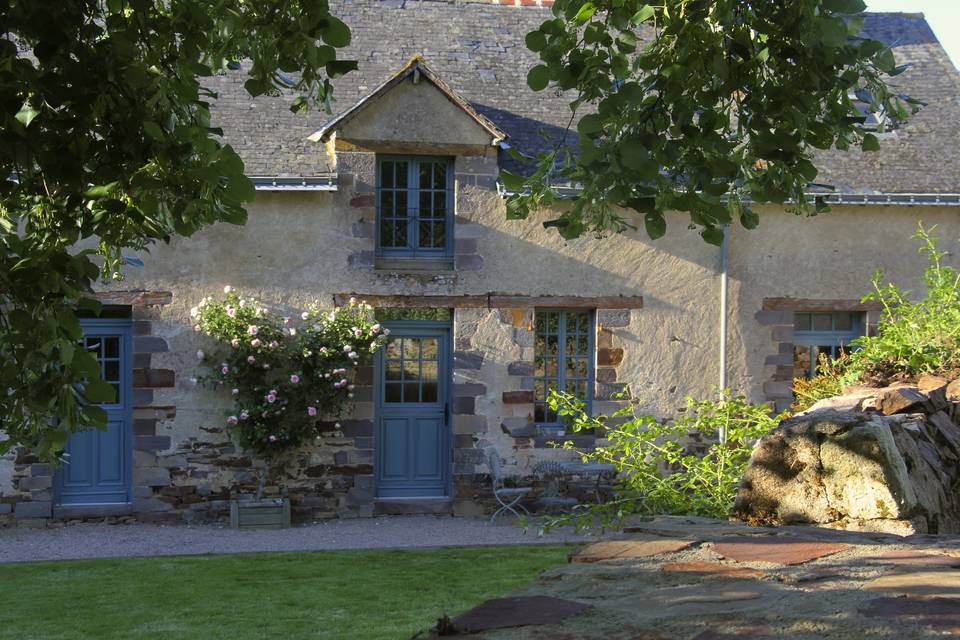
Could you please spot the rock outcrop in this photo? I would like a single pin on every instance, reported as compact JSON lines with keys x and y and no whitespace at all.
{"x":884,"y":460}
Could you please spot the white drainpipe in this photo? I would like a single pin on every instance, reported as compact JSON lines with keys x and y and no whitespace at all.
{"x":724,"y":269}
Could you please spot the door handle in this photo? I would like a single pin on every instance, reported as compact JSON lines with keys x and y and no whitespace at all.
{"x":446,"y":414}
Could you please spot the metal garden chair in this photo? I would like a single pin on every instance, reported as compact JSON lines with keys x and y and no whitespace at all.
{"x":508,"y":497}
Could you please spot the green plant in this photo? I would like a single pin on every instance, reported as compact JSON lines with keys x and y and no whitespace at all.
{"x":284,"y":379}
{"x":828,"y":382}
{"x":677,"y":466}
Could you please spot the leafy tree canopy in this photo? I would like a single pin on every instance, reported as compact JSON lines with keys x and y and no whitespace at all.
{"x":105,"y":145}
{"x":702,"y":106}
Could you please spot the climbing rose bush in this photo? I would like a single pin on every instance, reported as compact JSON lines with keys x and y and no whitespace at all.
{"x":285,"y":374}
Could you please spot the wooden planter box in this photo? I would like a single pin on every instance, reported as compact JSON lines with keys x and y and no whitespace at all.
{"x":260,"y":514}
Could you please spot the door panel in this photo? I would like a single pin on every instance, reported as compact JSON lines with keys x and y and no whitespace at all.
{"x":98,"y":463}
{"x":413,"y":427}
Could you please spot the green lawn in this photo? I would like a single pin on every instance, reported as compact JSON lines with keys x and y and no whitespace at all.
{"x":342,"y":595}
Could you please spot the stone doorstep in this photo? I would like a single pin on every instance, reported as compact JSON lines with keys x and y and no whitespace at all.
{"x":413,"y":506}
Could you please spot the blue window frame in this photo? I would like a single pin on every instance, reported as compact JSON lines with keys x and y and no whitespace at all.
{"x":563,"y":358}
{"x":414,"y":206}
{"x":816,"y":334}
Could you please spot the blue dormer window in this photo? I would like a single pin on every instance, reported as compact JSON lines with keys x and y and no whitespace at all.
{"x":414,"y":207}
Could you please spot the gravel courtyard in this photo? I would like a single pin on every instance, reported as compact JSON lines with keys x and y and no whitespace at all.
{"x":129,"y":540}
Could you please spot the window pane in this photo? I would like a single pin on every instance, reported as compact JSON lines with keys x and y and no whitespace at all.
{"x":111,"y":371}
{"x":111,"y":347}
{"x":425,"y":178}
{"x":401,"y":204}
{"x":386,"y":233}
{"x":844,"y":322}
{"x":393,"y":370}
{"x":411,"y":370}
{"x":411,"y":392}
{"x":801,"y":322}
{"x":425,"y":205}
{"x":394,"y":348}
{"x":553,"y":345}
{"x":439,"y":203}
{"x":430,"y":392}
{"x":426,"y":241}
{"x":429,"y":371}
{"x":583,"y":345}
{"x":400,"y":233}
{"x":440,"y":175}
{"x":439,"y":235}
{"x":386,"y":174}
{"x":411,"y":348}
{"x":822,"y":322}
{"x":401,"y":175}
{"x":430,"y":348}
{"x":571,"y":323}
{"x":386,"y":203}
{"x":392,"y":392}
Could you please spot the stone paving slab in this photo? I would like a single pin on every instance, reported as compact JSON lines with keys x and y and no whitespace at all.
{"x":784,"y":550}
{"x":501,"y":613}
{"x":628,"y":549}
{"x":713,"y":568}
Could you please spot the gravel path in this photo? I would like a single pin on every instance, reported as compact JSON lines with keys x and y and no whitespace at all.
{"x":110,"y":541}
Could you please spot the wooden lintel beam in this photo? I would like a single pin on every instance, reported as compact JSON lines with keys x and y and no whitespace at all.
{"x":811,"y":304}
{"x":135,"y":298}
{"x":494,"y":301}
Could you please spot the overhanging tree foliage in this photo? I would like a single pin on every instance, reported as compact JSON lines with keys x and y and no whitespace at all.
{"x":106,"y":144}
{"x":702,"y":106}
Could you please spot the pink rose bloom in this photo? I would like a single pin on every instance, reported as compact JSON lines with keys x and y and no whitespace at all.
{"x":251,"y":359}
{"x":224,"y":369}
{"x":253,"y":329}
{"x":375,"y":328}
{"x":232,"y":420}
{"x":312,"y":411}
{"x":271,"y":398}
{"x":231,"y":312}
{"x":347,"y":348}
{"x":274,"y":344}
{"x":255,"y":343}
{"x":386,"y":332}
{"x":294,"y":379}
{"x":244,"y":415}
{"x":235,"y":343}
{"x":272,"y":438}
{"x":357,"y":333}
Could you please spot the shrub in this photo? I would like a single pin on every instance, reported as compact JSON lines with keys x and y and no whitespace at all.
{"x":913,"y":338}
{"x":284,"y":380}
{"x":658,"y":469}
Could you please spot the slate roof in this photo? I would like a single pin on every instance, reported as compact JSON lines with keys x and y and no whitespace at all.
{"x":478,"y":50}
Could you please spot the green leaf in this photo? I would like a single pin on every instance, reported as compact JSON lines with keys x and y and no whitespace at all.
{"x":655,"y":224}
{"x":848,"y":7}
{"x":101,"y":191}
{"x":645,"y":13}
{"x":587,"y":9}
{"x":153,"y":130}
{"x":536,"y":41}
{"x":590,"y":125}
{"x":336,"y":34}
{"x":749,"y":218}
{"x":338,"y":68}
{"x":27,"y":113}
{"x":100,"y":392}
{"x":713,"y":235}
{"x":512,"y":181}
{"x":870,"y":143}
{"x":538,"y":77}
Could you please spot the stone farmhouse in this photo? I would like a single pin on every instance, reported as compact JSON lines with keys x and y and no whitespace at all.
{"x":394,"y":199}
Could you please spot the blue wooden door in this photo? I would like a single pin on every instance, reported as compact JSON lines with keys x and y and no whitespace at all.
{"x":97,"y":467}
{"x":413,"y":414}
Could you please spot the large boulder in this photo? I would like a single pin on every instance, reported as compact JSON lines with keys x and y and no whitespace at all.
{"x":871,"y":460}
